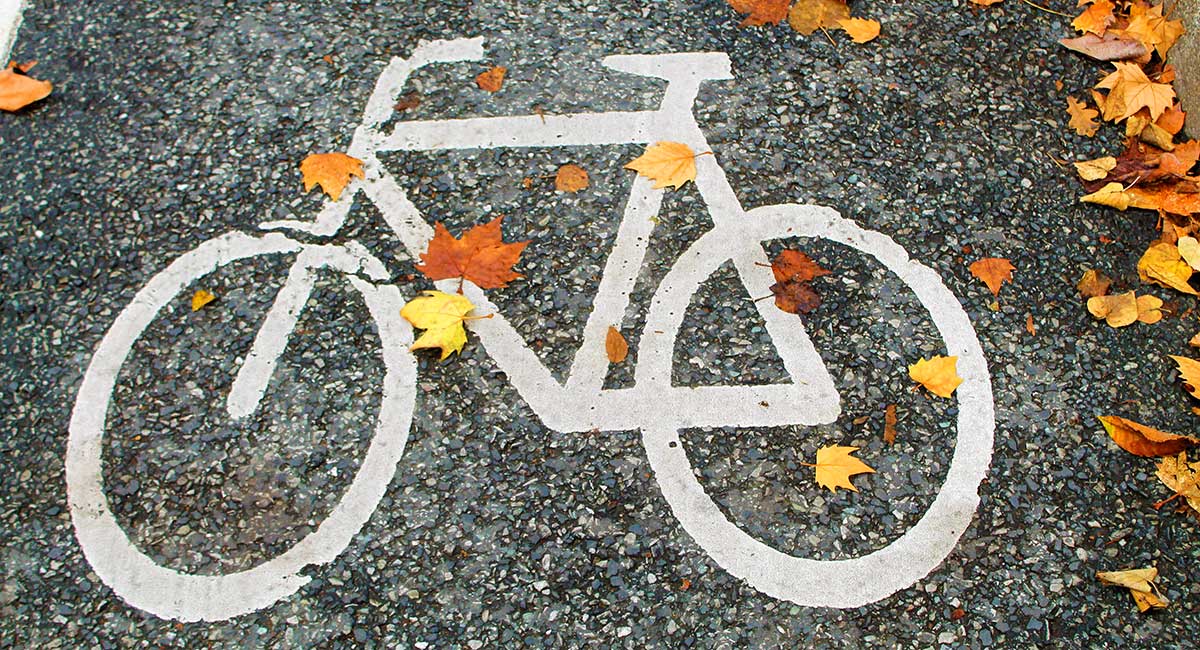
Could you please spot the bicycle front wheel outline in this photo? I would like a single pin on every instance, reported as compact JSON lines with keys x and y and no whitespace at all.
{"x":168,"y":593}
{"x":926,"y":544}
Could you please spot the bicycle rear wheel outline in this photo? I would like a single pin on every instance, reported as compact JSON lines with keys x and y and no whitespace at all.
{"x":822,"y":583}
{"x":172,"y":594}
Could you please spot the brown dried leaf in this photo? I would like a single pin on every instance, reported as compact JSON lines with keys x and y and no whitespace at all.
{"x":571,"y":178}
{"x":889,"y":424}
{"x":1093,"y":283}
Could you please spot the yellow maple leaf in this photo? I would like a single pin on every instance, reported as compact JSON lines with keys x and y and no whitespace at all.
{"x":1096,"y":18}
{"x":1094,"y":170}
{"x":18,"y":90}
{"x":859,"y":29}
{"x":332,"y":171}
{"x":1130,"y":90}
{"x":807,"y":16}
{"x":666,"y":163}
{"x":201,"y":298}
{"x":1112,"y":195}
{"x":1139,"y":582}
{"x":441,"y":315}
{"x":938,"y":374}
{"x":1083,"y":119}
{"x":835,"y":466}
{"x":1162,"y":264}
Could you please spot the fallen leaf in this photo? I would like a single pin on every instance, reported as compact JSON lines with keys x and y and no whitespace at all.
{"x":1141,"y":440}
{"x":201,"y":298}
{"x":889,"y":424}
{"x":666,"y":163}
{"x":1172,"y":119}
{"x":1195,"y":341}
{"x":1149,"y":309}
{"x":1083,"y":119}
{"x":18,"y":90}
{"x":1164,"y":198}
{"x":1139,"y":582}
{"x":1189,"y":250}
{"x":1118,"y":311}
{"x":835,"y":466}
{"x":1110,"y":47}
{"x":794,"y":265}
{"x":481,"y":256}
{"x":807,"y":16}
{"x":332,"y":171}
{"x":761,"y":12}
{"x":1112,"y":195}
{"x":1156,"y":136}
{"x":1094,"y":170}
{"x":1096,"y":18}
{"x":1181,"y":477}
{"x":491,"y":80}
{"x":986,"y":3}
{"x":860,"y":29}
{"x":1093,"y":283}
{"x":1162,"y":264}
{"x":1148,"y":25}
{"x":408,"y":102}
{"x":1189,"y":372}
{"x":571,"y":178}
{"x":615,"y":345}
{"x":1029,"y":326}
{"x":994,"y":271}
{"x":441,"y":315}
{"x":795,"y":297}
{"x":1130,"y":90}
{"x":957,"y":614}
{"x":939,"y":374}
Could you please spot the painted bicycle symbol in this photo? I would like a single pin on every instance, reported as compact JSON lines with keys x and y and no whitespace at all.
{"x":652,"y":405}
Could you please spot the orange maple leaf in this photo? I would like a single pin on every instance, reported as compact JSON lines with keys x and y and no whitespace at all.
{"x":481,"y":256}
{"x":1130,"y":90}
{"x":994,"y":271}
{"x":17,"y":90}
{"x":761,"y":12}
{"x":1096,"y":18}
{"x":491,"y":80}
{"x":332,"y":171}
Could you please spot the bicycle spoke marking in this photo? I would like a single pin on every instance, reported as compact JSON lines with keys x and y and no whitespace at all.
{"x":653,"y":405}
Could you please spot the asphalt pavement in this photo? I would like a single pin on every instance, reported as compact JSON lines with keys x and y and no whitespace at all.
{"x":174,"y":123}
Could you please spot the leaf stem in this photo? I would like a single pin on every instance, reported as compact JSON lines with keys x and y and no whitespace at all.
{"x":1049,"y":11}
{"x":477,"y":317}
{"x":808,"y":464}
{"x":1165,"y":501}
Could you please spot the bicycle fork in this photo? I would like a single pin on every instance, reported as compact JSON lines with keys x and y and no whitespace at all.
{"x":253,"y":377}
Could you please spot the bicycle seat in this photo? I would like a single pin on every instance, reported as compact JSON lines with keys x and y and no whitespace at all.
{"x":673,"y":67}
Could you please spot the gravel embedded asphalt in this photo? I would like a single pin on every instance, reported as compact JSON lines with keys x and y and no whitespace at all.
{"x":172,"y":124}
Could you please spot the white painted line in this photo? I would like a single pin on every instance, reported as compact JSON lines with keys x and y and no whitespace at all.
{"x":10,"y":22}
{"x":654,"y":405}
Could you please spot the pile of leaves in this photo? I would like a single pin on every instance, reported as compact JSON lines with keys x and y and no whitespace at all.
{"x":807,"y":16}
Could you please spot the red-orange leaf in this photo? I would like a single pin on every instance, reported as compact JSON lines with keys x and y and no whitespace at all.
{"x":994,"y":271}
{"x":794,"y":265}
{"x":761,"y":12}
{"x":481,"y":256}
{"x":795,"y":297}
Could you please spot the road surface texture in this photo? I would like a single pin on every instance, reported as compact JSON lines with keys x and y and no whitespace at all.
{"x":174,"y":123}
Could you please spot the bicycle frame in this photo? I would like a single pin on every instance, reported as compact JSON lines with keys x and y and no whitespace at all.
{"x":582,"y":404}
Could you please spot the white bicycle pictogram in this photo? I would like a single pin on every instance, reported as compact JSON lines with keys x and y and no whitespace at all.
{"x":652,"y":405}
